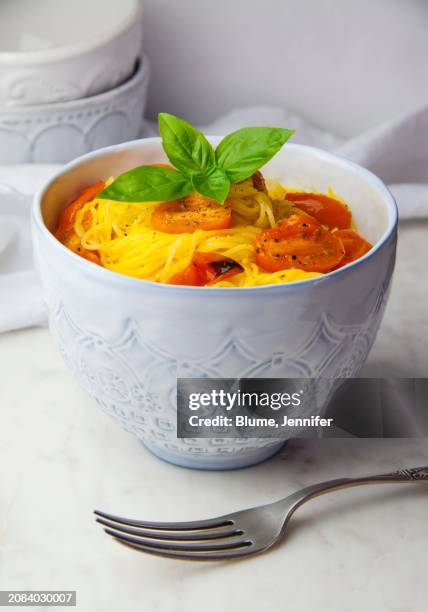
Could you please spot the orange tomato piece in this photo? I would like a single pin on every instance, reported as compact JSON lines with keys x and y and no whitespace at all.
{"x":206,"y":268}
{"x":299,"y":241}
{"x":65,"y":228}
{"x":355,"y":246}
{"x":191,"y":213}
{"x":327,"y":210}
{"x":215,"y":266}
{"x":67,"y":218}
{"x":296,"y":224}
{"x":191,"y":276}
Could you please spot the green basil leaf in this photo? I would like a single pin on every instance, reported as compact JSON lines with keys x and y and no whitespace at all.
{"x":243,"y":152}
{"x":187,"y":149}
{"x":148,"y":184}
{"x":214,"y":185}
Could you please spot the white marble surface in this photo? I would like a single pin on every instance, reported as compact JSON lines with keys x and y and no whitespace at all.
{"x":348,"y":551}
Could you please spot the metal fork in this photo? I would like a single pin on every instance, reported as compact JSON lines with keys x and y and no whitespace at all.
{"x":235,"y":535}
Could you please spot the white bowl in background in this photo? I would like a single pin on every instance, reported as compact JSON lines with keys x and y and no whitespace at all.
{"x":57,"y":50}
{"x":61,"y":131}
{"x":127,"y":339}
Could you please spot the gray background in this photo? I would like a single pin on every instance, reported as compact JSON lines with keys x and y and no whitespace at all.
{"x":344,"y":64}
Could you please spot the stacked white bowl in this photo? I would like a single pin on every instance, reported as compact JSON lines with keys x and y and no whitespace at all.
{"x":72,"y":77}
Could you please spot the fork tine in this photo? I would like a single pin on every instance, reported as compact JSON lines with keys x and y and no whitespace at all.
{"x":214,"y":523}
{"x":194,"y":555}
{"x":183,"y":536}
{"x":180,"y":546}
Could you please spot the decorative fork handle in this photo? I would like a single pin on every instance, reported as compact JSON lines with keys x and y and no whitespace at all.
{"x":407,"y":474}
{"x":417,"y":474}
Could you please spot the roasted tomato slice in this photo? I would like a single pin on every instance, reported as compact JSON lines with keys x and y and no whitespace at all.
{"x":327,"y":210}
{"x":216,"y":266}
{"x":65,"y":228}
{"x":206,"y":268}
{"x":355,"y":246}
{"x":189,"y":276}
{"x":259,"y":182}
{"x":297,"y":224}
{"x":299,"y":241}
{"x":191,"y":213}
{"x":68,"y":216}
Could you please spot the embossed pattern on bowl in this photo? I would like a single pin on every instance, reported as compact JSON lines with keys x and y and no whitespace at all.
{"x":62,"y":131}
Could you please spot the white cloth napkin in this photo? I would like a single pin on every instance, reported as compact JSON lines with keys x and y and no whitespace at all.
{"x":397,"y":151}
{"x":21,"y":303}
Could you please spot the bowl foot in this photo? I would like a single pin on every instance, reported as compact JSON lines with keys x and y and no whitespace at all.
{"x":216,"y":463}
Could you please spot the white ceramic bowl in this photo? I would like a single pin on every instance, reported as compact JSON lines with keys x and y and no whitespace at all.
{"x":126,"y":340}
{"x":57,"y":50}
{"x":62,"y":131}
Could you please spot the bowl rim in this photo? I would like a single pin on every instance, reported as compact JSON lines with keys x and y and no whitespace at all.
{"x":54,"y":54}
{"x":133,"y":282}
{"x":141,"y":74}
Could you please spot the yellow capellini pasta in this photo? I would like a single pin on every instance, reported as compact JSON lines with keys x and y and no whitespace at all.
{"x":122,"y":235}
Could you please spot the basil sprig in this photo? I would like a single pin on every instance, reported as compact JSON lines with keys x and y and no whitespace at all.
{"x":198,"y":167}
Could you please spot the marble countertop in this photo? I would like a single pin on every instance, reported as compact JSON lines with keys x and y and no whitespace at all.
{"x":60,"y":458}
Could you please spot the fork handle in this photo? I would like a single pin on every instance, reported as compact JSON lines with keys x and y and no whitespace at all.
{"x":416,"y":474}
